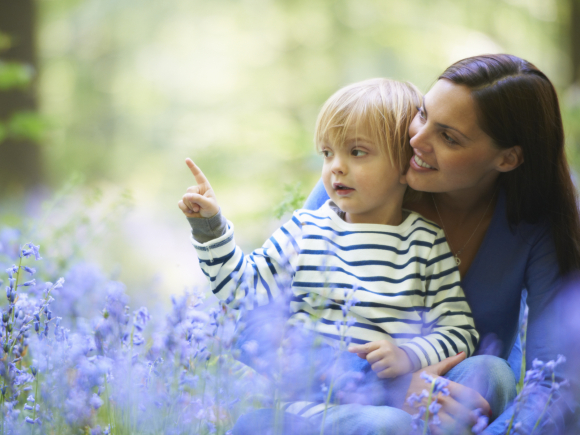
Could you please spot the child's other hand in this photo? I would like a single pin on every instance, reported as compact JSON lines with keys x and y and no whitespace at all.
{"x":199,"y":201}
{"x":386,"y":359}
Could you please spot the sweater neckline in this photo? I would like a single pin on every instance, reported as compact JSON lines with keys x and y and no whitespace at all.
{"x":337,"y":216}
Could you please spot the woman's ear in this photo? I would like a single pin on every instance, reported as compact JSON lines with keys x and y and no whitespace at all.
{"x":511,"y":159}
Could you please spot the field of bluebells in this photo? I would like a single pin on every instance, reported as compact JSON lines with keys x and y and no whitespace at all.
{"x":76,"y":358}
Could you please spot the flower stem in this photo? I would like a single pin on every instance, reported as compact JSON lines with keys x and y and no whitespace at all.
{"x":429,"y":399}
{"x":545,"y":407}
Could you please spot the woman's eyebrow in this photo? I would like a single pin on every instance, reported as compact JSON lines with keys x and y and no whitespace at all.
{"x":438,"y":124}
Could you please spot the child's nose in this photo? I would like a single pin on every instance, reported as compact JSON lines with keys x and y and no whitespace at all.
{"x":338,"y":165}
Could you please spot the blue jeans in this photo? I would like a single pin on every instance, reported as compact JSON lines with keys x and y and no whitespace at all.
{"x":490,"y":376}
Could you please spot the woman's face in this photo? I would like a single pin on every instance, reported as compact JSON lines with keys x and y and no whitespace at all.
{"x":450,"y":151}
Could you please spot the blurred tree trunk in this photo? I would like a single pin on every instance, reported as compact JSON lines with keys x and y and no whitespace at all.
{"x":20,"y":160}
{"x":575,"y":40}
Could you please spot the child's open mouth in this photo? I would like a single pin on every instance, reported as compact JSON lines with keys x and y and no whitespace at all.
{"x":342,"y":189}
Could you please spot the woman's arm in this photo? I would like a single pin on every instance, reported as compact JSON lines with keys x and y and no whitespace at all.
{"x":317,"y":197}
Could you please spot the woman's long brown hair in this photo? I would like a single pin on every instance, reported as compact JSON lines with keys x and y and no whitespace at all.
{"x":518,"y":105}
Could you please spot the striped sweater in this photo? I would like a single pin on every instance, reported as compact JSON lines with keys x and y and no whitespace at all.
{"x":404,"y":279}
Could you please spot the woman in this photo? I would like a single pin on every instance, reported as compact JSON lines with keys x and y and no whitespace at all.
{"x":488,"y":151}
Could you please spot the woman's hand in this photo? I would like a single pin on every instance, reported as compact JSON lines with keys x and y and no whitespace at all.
{"x":387,"y":360}
{"x":199,"y":201}
{"x":456,"y":412}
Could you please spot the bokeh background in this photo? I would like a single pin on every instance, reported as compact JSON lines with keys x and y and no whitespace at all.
{"x":102,"y":100}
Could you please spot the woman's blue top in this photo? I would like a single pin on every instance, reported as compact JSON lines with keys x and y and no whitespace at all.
{"x":510,"y":261}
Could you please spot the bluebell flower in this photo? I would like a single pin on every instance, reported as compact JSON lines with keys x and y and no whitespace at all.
{"x":11,"y":271}
{"x":96,"y":402}
{"x":482,"y":421}
{"x":138,"y":339}
{"x":32,"y":250}
{"x":141,"y":317}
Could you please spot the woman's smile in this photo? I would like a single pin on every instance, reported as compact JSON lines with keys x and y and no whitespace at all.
{"x":419,"y":164}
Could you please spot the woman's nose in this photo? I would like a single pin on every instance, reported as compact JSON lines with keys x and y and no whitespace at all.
{"x":421,"y":140}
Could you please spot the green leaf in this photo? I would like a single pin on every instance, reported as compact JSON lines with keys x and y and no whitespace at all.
{"x":27,"y":125}
{"x":293,"y":200}
{"x":15,"y":75}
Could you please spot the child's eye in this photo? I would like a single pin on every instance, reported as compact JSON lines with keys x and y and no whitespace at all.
{"x":327,"y":153}
{"x":358,"y":153}
{"x":448,"y":139}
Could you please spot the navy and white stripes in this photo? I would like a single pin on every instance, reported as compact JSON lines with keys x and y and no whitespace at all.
{"x":404,"y":277}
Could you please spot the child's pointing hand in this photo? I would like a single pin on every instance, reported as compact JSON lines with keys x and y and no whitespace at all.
{"x":199,"y":201}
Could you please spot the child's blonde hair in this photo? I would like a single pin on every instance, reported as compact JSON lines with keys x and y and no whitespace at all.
{"x":384,"y":108}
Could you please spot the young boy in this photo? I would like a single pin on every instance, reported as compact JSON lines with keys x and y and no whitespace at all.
{"x":410,"y":311}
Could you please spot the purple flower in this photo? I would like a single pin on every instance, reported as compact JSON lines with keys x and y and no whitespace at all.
{"x":11,"y":271}
{"x":434,"y":407}
{"x":33,"y":250}
{"x":96,"y":402}
{"x":481,"y":424}
{"x":140,"y":319}
{"x":426,"y":377}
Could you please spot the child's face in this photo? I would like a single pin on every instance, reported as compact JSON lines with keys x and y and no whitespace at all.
{"x":360,"y":179}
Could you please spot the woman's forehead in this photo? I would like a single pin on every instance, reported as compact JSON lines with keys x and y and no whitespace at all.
{"x":452,"y":105}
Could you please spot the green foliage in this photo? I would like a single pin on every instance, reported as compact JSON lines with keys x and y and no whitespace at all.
{"x":15,"y":75}
{"x":5,"y":41}
{"x":26,"y":125}
{"x":293,"y":199}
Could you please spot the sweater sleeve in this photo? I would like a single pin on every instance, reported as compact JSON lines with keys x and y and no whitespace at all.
{"x":205,"y":229}
{"x":317,"y":197}
{"x":448,"y":326}
{"x":254,"y":279}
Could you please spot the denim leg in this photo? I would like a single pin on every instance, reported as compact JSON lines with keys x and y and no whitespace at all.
{"x":363,"y":420}
{"x":490,"y":376}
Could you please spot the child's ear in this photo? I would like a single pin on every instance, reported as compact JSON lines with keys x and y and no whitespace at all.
{"x":511,"y":158}
{"x":403,"y":179}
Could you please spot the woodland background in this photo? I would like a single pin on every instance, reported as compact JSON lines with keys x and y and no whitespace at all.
{"x":102,"y":100}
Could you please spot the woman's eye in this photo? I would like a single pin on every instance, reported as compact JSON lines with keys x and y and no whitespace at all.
{"x":421,"y":113}
{"x":448,"y":138}
{"x":358,"y":153}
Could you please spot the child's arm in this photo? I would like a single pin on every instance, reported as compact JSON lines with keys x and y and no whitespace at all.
{"x":234,"y":277}
{"x":448,"y":326}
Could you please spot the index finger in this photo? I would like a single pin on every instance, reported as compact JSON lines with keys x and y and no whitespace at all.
{"x":364,"y":348}
{"x":197,"y":173}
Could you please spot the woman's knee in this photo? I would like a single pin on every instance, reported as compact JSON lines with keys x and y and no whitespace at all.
{"x":487,"y":370}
